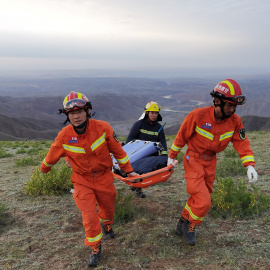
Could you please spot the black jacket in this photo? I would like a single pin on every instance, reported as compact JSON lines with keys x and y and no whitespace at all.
{"x":143,"y":130}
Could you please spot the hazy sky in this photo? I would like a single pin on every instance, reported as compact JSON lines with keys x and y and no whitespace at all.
{"x":137,"y":34}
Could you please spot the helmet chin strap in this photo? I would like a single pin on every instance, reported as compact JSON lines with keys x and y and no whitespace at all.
{"x":80,"y":129}
{"x":82,"y":125}
{"x":221,"y":105}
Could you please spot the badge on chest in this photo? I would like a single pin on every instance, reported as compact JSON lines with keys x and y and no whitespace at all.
{"x":72,"y":140}
{"x":207,"y":125}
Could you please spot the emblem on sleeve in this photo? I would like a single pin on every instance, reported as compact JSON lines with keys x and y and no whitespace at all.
{"x":115,"y":137}
{"x":242,"y":134}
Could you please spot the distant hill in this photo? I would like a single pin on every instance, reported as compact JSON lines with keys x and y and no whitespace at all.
{"x":29,"y":106}
{"x":111,"y":95}
{"x":31,"y":129}
{"x":252,"y":123}
{"x":26,"y":128}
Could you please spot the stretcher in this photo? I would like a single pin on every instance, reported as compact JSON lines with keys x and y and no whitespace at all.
{"x":139,"y":150}
{"x":148,"y":179}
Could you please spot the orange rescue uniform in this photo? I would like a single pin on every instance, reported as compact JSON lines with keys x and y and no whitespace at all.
{"x":91,"y":162}
{"x":205,"y":137}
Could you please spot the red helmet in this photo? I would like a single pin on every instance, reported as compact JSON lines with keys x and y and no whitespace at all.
{"x":75,"y":101}
{"x":230,"y":91}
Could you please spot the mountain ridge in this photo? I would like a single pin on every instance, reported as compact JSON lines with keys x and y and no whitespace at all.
{"x":31,"y":129}
{"x":119,"y":101}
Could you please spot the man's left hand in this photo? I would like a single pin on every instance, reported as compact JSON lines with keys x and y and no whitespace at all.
{"x":252,"y":174}
{"x":132,"y":174}
{"x":68,"y":163}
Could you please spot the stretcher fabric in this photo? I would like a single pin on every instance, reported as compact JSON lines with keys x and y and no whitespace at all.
{"x":149,"y":164}
{"x":137,"y":150}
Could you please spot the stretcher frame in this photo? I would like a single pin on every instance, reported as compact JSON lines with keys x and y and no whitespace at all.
{"x":148,"y":179}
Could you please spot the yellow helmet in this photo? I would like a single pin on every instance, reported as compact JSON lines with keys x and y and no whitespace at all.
{"x":152,"y":106}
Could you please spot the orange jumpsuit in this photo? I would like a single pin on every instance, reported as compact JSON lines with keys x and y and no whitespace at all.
{"x":89,"y":155}
{"x":205,"y":137}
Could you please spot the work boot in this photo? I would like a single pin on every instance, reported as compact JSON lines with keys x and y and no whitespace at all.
{"x":95,"y":255}
{"x":107,"y":230}
{"x":188,"y":231}
{"x":132,"y":188}
{"x":139,"y":193}
{"x":179,"y":226}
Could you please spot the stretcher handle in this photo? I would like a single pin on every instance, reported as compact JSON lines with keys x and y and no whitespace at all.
{"x":143,"y":176}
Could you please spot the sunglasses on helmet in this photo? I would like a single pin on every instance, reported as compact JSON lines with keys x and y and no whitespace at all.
{"x":239,"y":100}
{"x":74,"y":103}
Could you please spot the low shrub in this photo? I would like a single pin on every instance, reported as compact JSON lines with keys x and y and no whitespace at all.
{"x":55,"y":182}
{"x":30,"y":161}
{"x":4,"y":154}
{"x":21,"y":151}
{"x":25,"y":145}
{"x":233,"y":199}
{"x":230,"y":167}
{"x":230,"y":152}
{"x":34,"y":151}
{"x":41,"y":155}
{"x":124,"y":207}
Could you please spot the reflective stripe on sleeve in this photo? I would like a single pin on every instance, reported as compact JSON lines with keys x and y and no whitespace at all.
{"x":46,"y":164}
{"x":175,"y":148}
{"x":123,"y":160}
{"x":247,"y":159}
{"x":226,"y":135}
{"x":74,"y":149}
{"x":98,"y":142}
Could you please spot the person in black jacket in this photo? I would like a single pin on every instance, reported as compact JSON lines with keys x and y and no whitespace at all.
{"x":147,"y":128}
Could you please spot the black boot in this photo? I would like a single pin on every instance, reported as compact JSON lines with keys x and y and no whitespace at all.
{"x":139,"y":193}
{"x":179,"y":226}
{"x":132,"y":188}
{"x":188,"y":231}
{"x":95,"y":256}
{"x":107,"y":230}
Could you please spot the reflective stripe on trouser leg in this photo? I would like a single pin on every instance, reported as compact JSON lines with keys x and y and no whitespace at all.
{"x":85,"y":200}
{"x":200,"y":176}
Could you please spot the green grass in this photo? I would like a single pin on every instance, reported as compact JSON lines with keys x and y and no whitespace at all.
{"x":46,"y":232}
{"x":28,"y":161}
{"x":3,"y":210}
{"x":4,"y":154}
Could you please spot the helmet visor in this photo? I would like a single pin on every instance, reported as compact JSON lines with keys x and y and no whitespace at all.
{"x":239,"y":100}
{"x":79,"y":103}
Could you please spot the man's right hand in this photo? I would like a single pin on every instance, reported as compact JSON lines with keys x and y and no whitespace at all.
{"x":252,"y":174}
{"x":170,"y":162}
{"x":132,"y":174}
{"x":68,"y":163}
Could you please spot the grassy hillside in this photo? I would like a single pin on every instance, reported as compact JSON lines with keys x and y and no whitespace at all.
{"x":46,"y":232}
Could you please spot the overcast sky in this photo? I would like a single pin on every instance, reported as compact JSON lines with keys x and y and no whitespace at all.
{"x":137,"y":34}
